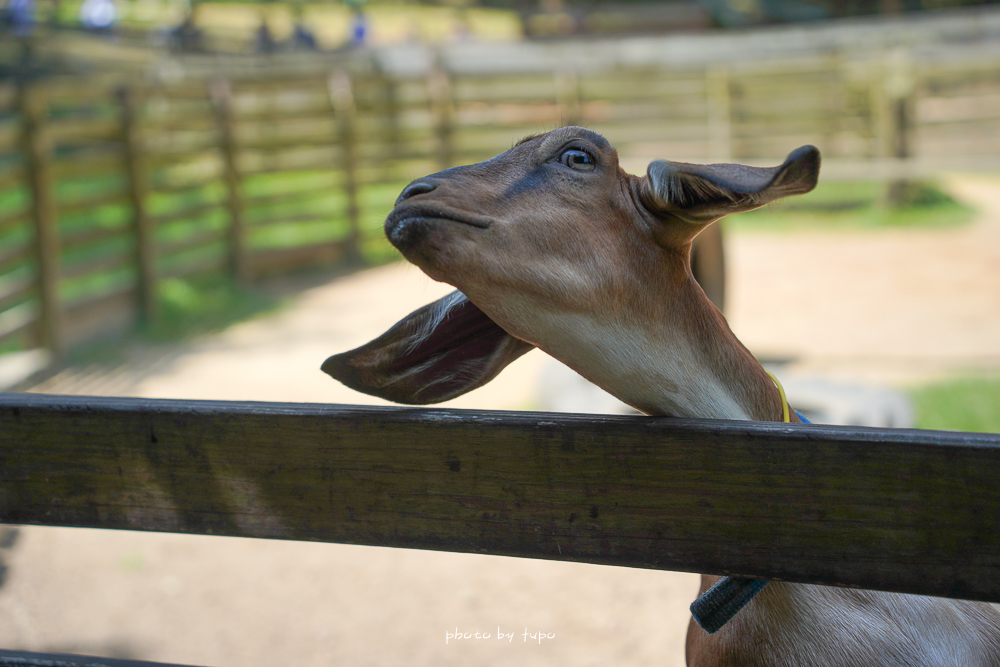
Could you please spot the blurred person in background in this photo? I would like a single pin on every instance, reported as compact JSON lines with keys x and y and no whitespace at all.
{"x":359,"y":23}
{"x":98,"y":15}
{"x":18,"y":17}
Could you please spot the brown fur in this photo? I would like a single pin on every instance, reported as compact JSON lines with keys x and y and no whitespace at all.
{"x":592,"y":266}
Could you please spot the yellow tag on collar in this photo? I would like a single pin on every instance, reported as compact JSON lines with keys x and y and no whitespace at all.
{"x":785,"y":412}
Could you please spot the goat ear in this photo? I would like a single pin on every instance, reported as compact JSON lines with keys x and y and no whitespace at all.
{"x":704,"y":193}
{"x":441,"y":351}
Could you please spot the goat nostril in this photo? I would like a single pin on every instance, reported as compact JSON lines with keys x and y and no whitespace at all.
{"x":415,"y":188}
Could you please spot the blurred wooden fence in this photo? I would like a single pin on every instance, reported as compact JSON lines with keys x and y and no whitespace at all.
{"x":107,"y":190}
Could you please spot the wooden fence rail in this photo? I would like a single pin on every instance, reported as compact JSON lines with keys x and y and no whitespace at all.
{"x":107,"y":190}
{"x":898,"y":510}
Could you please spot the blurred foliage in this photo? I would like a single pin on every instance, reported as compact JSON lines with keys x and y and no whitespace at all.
{"x":196,"y":306}
{"x":211,"y":302}
{"x":852,"y":206}
{"x":331,"y":23}
{"x":965,"y":404}
{"x":188,"y":307}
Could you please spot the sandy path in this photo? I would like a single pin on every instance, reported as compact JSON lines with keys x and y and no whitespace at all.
{"x":896,"y":306}
{"x":893,"y":306}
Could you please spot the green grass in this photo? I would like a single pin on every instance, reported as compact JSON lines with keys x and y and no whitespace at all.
{"x":187,"y":308}
{"x":191,"y":307}
{"x":965,"y":404}
{"x":852,"y":207}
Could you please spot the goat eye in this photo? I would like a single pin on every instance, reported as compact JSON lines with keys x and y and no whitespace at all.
{"x":577,"y":159}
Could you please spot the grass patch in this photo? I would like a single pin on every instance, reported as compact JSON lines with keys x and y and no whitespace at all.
{"x":187,"y":308}
{"x":191,"y":307}
{"x":852,"y":207}
{"x":965,"y":404}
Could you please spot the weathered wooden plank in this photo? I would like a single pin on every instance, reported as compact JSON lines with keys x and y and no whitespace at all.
{"x":10,"y":134}
{"x":14,"y":254}
{"x":138,"y":183}
{"x":191,"y":241}
{"x":239,"y":252}
{"x":303,"y":189}
{"x":261,"y":221}
{"x":283,"y":137}
{"x":13,"y":219}
{"x":173,"y":186}
{"x":17,"y":321}
{"x":101,"y":264}
{"x":623,"y":85}
{"x":187,"y":213}
{"x":113,"y":197}
{"x":270,"y":262}
{"x":503,"y":88}
{"x":90,"y":235}
{"x":340,"y":93}
{"x":106,"y":159}
{"x":73,"y":131}
{"x":37,"y":147}
{"x":299,"y":158}
{"x":904,"y":510}
{"x":15,"y":291}
{"x":12,"y":175}
{"x":190,"y":268}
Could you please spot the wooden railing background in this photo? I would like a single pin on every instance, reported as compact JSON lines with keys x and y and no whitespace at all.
{"x":109,"y":186}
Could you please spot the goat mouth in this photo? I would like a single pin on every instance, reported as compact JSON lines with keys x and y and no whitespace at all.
{"x":403,"y":225}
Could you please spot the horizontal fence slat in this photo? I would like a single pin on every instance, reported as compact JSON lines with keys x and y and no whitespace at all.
{"x":190,"y":269}
{"x":14,"y":255}
{"x":15,"y":291}
{"x":88,"y":164}
{"x":191,"y":241}
{"x":15,"y":321}
{"x":189,"y":213}
{"x":899,"y":510}
{"x":76,"y":130}
{"x":183,"y":187}
{"x":269,"y":262}
{"x":113,"y":198}
{"x":10,"y":220}
{"x":83,"y":237}
{"x":107,"y":262}
{"x":260,"y":222}
{"x":12,"y":176}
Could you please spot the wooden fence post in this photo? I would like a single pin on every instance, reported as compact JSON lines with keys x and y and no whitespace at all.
{"x":392,"y":142}
{"x":37,"y":148}
{"x":568,"y":97}
{"x":443,"y":106}
{"x":138,"y":185}
{"x":341,"y":95}
{"x":719,"y":113}
{"x":239,"y":254}
{"x":894,"y":113}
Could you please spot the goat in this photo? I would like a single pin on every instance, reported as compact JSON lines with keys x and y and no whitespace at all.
{"x":552,"y":245}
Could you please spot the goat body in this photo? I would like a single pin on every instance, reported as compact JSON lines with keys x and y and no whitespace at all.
{"x":552,"y":245}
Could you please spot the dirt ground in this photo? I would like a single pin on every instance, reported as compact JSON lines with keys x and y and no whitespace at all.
{"x":892,"y":307}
